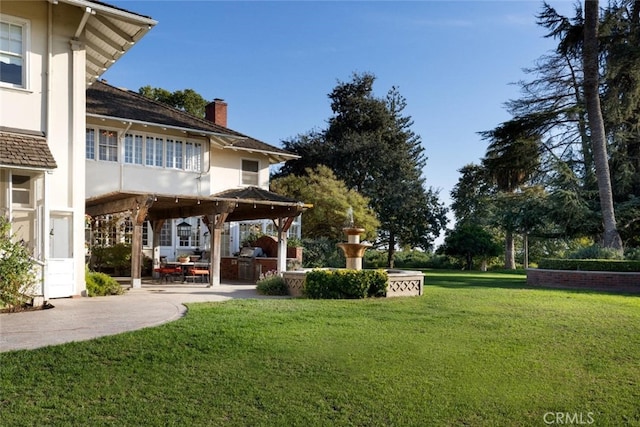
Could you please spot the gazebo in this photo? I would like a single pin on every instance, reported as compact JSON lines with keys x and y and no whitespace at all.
{"x":247,"y":203}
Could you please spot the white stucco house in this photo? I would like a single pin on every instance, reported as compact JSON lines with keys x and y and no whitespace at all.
{"x":50,"y":51}
{"x":72,"y":145}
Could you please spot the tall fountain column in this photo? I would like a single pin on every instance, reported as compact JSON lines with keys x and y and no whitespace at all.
{"x":353,"y":249}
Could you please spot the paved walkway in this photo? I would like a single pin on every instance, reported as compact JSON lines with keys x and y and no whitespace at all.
{"x":79,"y":319}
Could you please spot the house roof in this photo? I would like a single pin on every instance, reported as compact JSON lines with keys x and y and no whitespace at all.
{"x":253,"y":194}
{"x":104,"y":100}
{"x":109,"y":33}
{"x":19,"y":148}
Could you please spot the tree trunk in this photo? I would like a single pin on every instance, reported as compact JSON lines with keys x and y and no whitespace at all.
{"x":509,"y":252}
{"x":596,"y":124}
{"x":391,"y":251}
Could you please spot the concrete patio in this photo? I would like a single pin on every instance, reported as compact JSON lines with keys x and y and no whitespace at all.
{"x":79,"y":319}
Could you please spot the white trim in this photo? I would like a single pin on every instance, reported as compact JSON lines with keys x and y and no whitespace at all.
{"x":126,"y":16}
{"x":254,"y":150}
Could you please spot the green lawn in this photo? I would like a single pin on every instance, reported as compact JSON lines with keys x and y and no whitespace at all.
{"x":475,"y":350}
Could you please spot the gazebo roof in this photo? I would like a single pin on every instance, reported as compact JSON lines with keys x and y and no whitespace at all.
{"x":241,"y":204}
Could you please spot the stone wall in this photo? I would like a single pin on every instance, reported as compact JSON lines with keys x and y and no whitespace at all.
{"x":593,"y":280}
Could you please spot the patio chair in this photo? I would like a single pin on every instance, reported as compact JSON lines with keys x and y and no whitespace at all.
{"x":196,"y":273}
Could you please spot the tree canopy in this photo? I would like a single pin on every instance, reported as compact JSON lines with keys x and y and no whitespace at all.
{"x":370,"y":146}
{"x":331,"y":200}
{"x":552,"y":144}
{"x":186,"y":100}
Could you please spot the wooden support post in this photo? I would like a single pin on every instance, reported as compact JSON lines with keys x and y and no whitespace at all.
{"x":215,"y":223}
{"x":139,"y":215}
{"x":282,"y":225}
{"x":157,"y":228}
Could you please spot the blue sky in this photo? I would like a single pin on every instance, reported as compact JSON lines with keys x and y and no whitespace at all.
{"x":274,"y":62}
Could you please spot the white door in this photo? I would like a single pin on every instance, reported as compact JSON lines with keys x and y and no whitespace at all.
{"x":60,"y":278}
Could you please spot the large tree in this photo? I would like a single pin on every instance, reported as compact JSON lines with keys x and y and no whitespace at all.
{"x":553,"y":105}
{"x":370,"y":146}
{"x":611,"y":238}
{"x":512,"y":158}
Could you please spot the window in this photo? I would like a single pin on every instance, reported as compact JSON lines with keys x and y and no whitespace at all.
{"x":133,"y":149}
{"x":159,"y":152}
{"x":165,"y":234}
{"x":178,"y":155}
{"x":174,"y":154}
{"x":108,"y":146}
{"x":170,"y":155}
{"x":90,"y":142}
{"x":21,"y":190}
{"x":250,"y":172}
{"x":145,"y":233}
{"x":154,"y":152}
{"x":193,"y":156}
{"x":13,"y":49}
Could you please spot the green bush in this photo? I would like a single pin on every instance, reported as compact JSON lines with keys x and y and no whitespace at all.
{"x":632,"y":254}
{"x":115,"y":259}
{"x":412,"y":259}
{"x":322,"y":252}
{"x":272,"y":284}
{"x":595,"y":252}
{"x":345,"y":284}
{"x":16,"y":269}
{"x":589,"y":265}
{"x":101,"y":284}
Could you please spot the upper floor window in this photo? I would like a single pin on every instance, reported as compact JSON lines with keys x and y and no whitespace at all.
{"x":193,"y":157}
{"x":143,"y":149}
{"x":108,"y":145}
{"x":250,"y":172}
{"x":133,"y":149}
{"x":13,"y":51}
{"x":90,"y":144}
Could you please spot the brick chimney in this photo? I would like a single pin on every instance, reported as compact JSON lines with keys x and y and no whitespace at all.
{"x":216,"y":112}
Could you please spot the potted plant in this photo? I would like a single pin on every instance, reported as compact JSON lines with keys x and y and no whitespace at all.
{"x":183,"y":258}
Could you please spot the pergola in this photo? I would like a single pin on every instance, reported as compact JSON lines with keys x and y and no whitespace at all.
{"x":241,"y":204}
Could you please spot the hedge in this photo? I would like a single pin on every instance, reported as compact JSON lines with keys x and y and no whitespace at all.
{"x":345,"y":284}
{"x":589,"y":265}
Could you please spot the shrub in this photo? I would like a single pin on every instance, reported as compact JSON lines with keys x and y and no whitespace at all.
{"x":589,"y":265}
{"x":101,"y":284}
{"x":322,"y":252}
{"x":345,"y":284}
{"x":595,"y":252}
{"x":271,"y":284}
{"x":16,"y":269}
{"x":632,"y":254}
{"x":116,"y":259}
{"x":412,"y":259}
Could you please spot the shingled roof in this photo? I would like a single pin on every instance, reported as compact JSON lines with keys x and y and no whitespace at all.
{"x":109,"y":101}
{"x":24,"y":149}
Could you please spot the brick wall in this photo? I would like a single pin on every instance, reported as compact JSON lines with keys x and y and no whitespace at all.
{"x":595,"y":280}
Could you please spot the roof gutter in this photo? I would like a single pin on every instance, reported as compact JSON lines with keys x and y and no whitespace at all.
{"x":108,"y":10}
{"x":253,"y":150}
